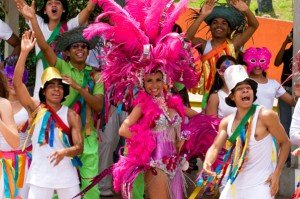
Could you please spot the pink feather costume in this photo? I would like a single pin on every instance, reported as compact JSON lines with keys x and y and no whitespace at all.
{"x":152,"y":145}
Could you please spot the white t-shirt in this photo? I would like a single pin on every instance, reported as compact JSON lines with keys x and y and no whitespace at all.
{"x":266,"y":93}
{"x":72,"y":23}
{"x":295,"y":125}
{"x":42,"y":173}
{"x":5,"y":31}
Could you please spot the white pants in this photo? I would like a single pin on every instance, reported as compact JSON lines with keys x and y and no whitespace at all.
{"x":261,"y":191}
{"x":36,"y":192}
{"x":110,"y":139}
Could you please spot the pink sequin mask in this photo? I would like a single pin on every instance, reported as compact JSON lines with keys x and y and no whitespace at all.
{"x":257,"y":57}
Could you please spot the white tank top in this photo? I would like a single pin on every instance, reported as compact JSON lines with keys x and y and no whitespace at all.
{"x":223,"y":109}
{"x":258,"y":167}
{"x":208,"y":47}
{"x":63,"y":175}
{"x":20,"y":118}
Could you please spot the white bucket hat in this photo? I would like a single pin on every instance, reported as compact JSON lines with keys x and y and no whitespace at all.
{"x":234,"y":75}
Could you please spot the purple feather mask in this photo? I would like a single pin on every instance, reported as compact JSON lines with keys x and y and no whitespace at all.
{"x":9,"y":69}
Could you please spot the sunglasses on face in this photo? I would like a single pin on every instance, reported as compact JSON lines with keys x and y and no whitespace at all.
{"x":79,"y":45}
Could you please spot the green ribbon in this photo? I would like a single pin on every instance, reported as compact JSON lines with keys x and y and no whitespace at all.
{"x":241,"y":125}
{"x":52,"y":37}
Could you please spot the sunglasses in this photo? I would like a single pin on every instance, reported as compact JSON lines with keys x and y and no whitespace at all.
{"x":79,"y":45}
{"x":222,"y":69}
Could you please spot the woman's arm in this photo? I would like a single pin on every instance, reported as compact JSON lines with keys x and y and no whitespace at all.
{"x":212,"y":104}
{"x":8,"y":127}
{"x":133,"y":117}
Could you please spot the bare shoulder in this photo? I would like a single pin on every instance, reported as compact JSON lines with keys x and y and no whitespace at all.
{"x":267,"y":115}
{"x":224,"y":122}
{"x":72,"y":113}
{"x":73,"y":116}
{"x":5,"y":105}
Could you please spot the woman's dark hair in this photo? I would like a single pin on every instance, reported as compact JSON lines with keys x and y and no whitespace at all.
{"x":218,"y":82}
{"x":3,"y":86}
{"x":63,"y":16}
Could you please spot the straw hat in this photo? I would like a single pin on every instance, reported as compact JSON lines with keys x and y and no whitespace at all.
{"x":49,"y":74}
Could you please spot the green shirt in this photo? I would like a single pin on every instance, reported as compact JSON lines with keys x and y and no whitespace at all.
{"x":66,"y":68}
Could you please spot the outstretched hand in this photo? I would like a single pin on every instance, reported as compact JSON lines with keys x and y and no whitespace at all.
{"x":208,"y":7}
{"x":240,"y":5}
{"x":28,"y":41}
{"x":27,"y":11}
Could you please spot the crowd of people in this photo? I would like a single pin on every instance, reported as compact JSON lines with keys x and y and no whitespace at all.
{"x":124,"y":123}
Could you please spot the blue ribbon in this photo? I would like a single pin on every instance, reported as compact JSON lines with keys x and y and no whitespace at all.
{"x":41,"y":138}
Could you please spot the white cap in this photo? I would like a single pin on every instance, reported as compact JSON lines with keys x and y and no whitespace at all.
{"x":235,"y":74}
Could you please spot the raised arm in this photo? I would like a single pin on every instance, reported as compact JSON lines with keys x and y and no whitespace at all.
{"x":84,"y":15}
{"x":8,"y":127}
{"x":215,"y":148}
{"x":132,"y":118}
{"x":253,"y":24}
{"x":27,"y":44}
{"x":28,"y":13}
{"x":279,"y":56}
{"x":77,"y":148}
{"x":273,"y":125}
{"x":203,"y":13}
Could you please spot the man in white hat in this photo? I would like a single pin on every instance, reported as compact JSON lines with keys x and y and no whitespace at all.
{"x":248,"y":133}
{"x":55,"y":129}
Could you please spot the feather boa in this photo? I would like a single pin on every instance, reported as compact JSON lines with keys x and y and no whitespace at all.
{"x":202,"y":130}
{"x":142,"y":143}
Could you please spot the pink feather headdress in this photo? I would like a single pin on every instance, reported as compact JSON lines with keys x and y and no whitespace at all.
{"x":139,"y":41}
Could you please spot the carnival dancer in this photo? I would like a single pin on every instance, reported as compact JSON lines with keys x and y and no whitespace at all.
{"x":284,"y":56}
{"x":257,"y":61}
{"x":216,"y":104}
{"x":86,"y":89}
{"x":23,"y":153}
{"x":9,"y":140}
{"x":228,"y":31}
{"x":52,"y":20}
{"x":149,"y":58}
{"x":55,"y":129}
{"x":249,"y":134}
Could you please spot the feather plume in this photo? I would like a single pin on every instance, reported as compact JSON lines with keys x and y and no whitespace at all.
{"x":152,"y":21}
{"x":122,"y":31}
{"x":170,"y":20}
{"x":137,"y":10}
{"x":111,"y":5}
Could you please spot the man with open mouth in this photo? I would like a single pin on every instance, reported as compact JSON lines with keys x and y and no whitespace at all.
{"x":248,"y":136}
